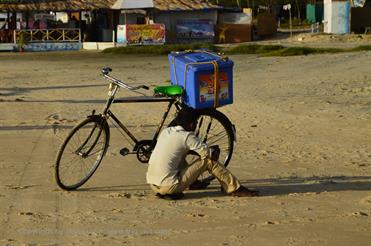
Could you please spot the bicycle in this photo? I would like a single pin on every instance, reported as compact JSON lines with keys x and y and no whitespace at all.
{"x":85,"y":146}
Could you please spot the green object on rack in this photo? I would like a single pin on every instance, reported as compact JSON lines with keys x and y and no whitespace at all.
{"x":169,"y":90}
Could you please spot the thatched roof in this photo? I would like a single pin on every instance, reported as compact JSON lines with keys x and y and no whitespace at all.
{"x":174,"y":5}
{"x":54,"y":5}
{"x":76,"y":5}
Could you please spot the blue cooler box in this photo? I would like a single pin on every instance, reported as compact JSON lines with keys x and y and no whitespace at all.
{"x":195,"y":71}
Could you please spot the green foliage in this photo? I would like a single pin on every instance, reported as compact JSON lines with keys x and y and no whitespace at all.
{"x":298,"y":51}
{"x":362,"y":48}
{"x":254,"y":49}
{"x":263,"y":50}
{"x":250,"y":3}
{"x":158,"y":49}
{"x":279,"y":50}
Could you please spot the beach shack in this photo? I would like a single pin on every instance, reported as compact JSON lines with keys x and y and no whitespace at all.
{"x":43,"y":25}
{"x":179,"y":21}
{"x":54,"y":24}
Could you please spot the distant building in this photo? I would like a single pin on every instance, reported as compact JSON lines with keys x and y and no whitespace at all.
{"x":98,"y":18}
{"x":181,"y":18}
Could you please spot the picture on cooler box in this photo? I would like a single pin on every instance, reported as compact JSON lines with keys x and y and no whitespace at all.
{"x":207,"y":87}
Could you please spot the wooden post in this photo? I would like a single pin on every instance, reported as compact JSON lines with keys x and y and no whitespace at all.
{"x":15,"y":36}
{"x":7,"y":20}
{"x":27,"y":19}
{"x":290,"y":23}
{"x":113,"y":37}
{"x":14,"y":20}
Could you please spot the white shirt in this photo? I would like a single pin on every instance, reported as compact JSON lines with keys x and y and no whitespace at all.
{"x":172,"y":146}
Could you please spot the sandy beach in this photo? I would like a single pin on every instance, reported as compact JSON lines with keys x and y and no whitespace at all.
{"x":303,"y":140}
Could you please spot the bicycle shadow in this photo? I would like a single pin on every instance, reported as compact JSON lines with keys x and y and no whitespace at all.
{"x":61,"y":127}
{"x":117,"y":188}
{"x":14,"y":91}
{"x":267,"y":187}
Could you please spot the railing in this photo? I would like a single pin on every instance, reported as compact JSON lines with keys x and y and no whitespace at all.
{"x":48,"y":35}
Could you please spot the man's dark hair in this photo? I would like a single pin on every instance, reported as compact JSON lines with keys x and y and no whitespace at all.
{"x":185,"y":117}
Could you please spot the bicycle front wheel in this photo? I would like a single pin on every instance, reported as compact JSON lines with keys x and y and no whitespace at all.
{"x":82,"y":152}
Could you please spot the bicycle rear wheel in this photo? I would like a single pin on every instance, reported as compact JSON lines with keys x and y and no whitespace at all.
{"x":82,"y":152}
{"x":214,"y":128}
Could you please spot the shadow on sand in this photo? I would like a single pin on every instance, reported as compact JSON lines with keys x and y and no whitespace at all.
{"x":14,"y":91}
{"x":315,"y":184}
{"x":269,"y":187}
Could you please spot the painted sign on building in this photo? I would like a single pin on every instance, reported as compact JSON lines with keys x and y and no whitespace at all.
{"x":53,"y":46}
{"x":195,"y":30}
{"x":236,"y":18}
{"x":141,"y":34}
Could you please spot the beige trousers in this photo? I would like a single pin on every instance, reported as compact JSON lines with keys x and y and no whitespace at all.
{"x":190,"y":173}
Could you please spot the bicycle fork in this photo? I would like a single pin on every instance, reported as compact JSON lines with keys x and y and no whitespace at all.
{"x":106,"y":113}
{"x":86,"y":154}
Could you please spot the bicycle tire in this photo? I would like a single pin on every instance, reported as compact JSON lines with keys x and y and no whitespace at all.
{"x":205,"y":123}
{"x":94,"y":133}
{"x":225,"y":143}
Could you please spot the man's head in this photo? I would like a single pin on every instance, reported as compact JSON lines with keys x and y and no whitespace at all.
{"x":187,"y":118}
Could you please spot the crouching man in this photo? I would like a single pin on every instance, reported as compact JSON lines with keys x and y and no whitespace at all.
{"x":168,"y":173}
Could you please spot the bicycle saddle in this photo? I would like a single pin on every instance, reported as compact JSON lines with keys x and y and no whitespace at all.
{"x":169,"y":90}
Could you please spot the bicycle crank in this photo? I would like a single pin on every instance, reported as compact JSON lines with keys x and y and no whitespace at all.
{"x":144,"y":150}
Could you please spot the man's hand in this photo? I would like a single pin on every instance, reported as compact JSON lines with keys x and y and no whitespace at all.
{"x":215,"y":152}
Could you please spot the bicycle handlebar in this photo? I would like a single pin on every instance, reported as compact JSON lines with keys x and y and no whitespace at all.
{"x":107,"y":70}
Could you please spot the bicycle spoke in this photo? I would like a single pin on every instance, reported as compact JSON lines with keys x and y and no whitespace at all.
{"x":214,"y":129}
{"x":72,"y":160}
{"x":215,"y":141}
{"x":97,"y":151}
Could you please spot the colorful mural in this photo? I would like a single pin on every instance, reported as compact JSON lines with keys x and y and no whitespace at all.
{"x":141,"y":34}
{"x":195,"y":29}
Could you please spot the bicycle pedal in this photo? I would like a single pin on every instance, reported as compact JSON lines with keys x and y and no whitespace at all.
{"x":124,"y":151}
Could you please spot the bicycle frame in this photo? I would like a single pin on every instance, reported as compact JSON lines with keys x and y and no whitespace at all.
{"x":143,"y":99}
{"x":114,"y":87}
